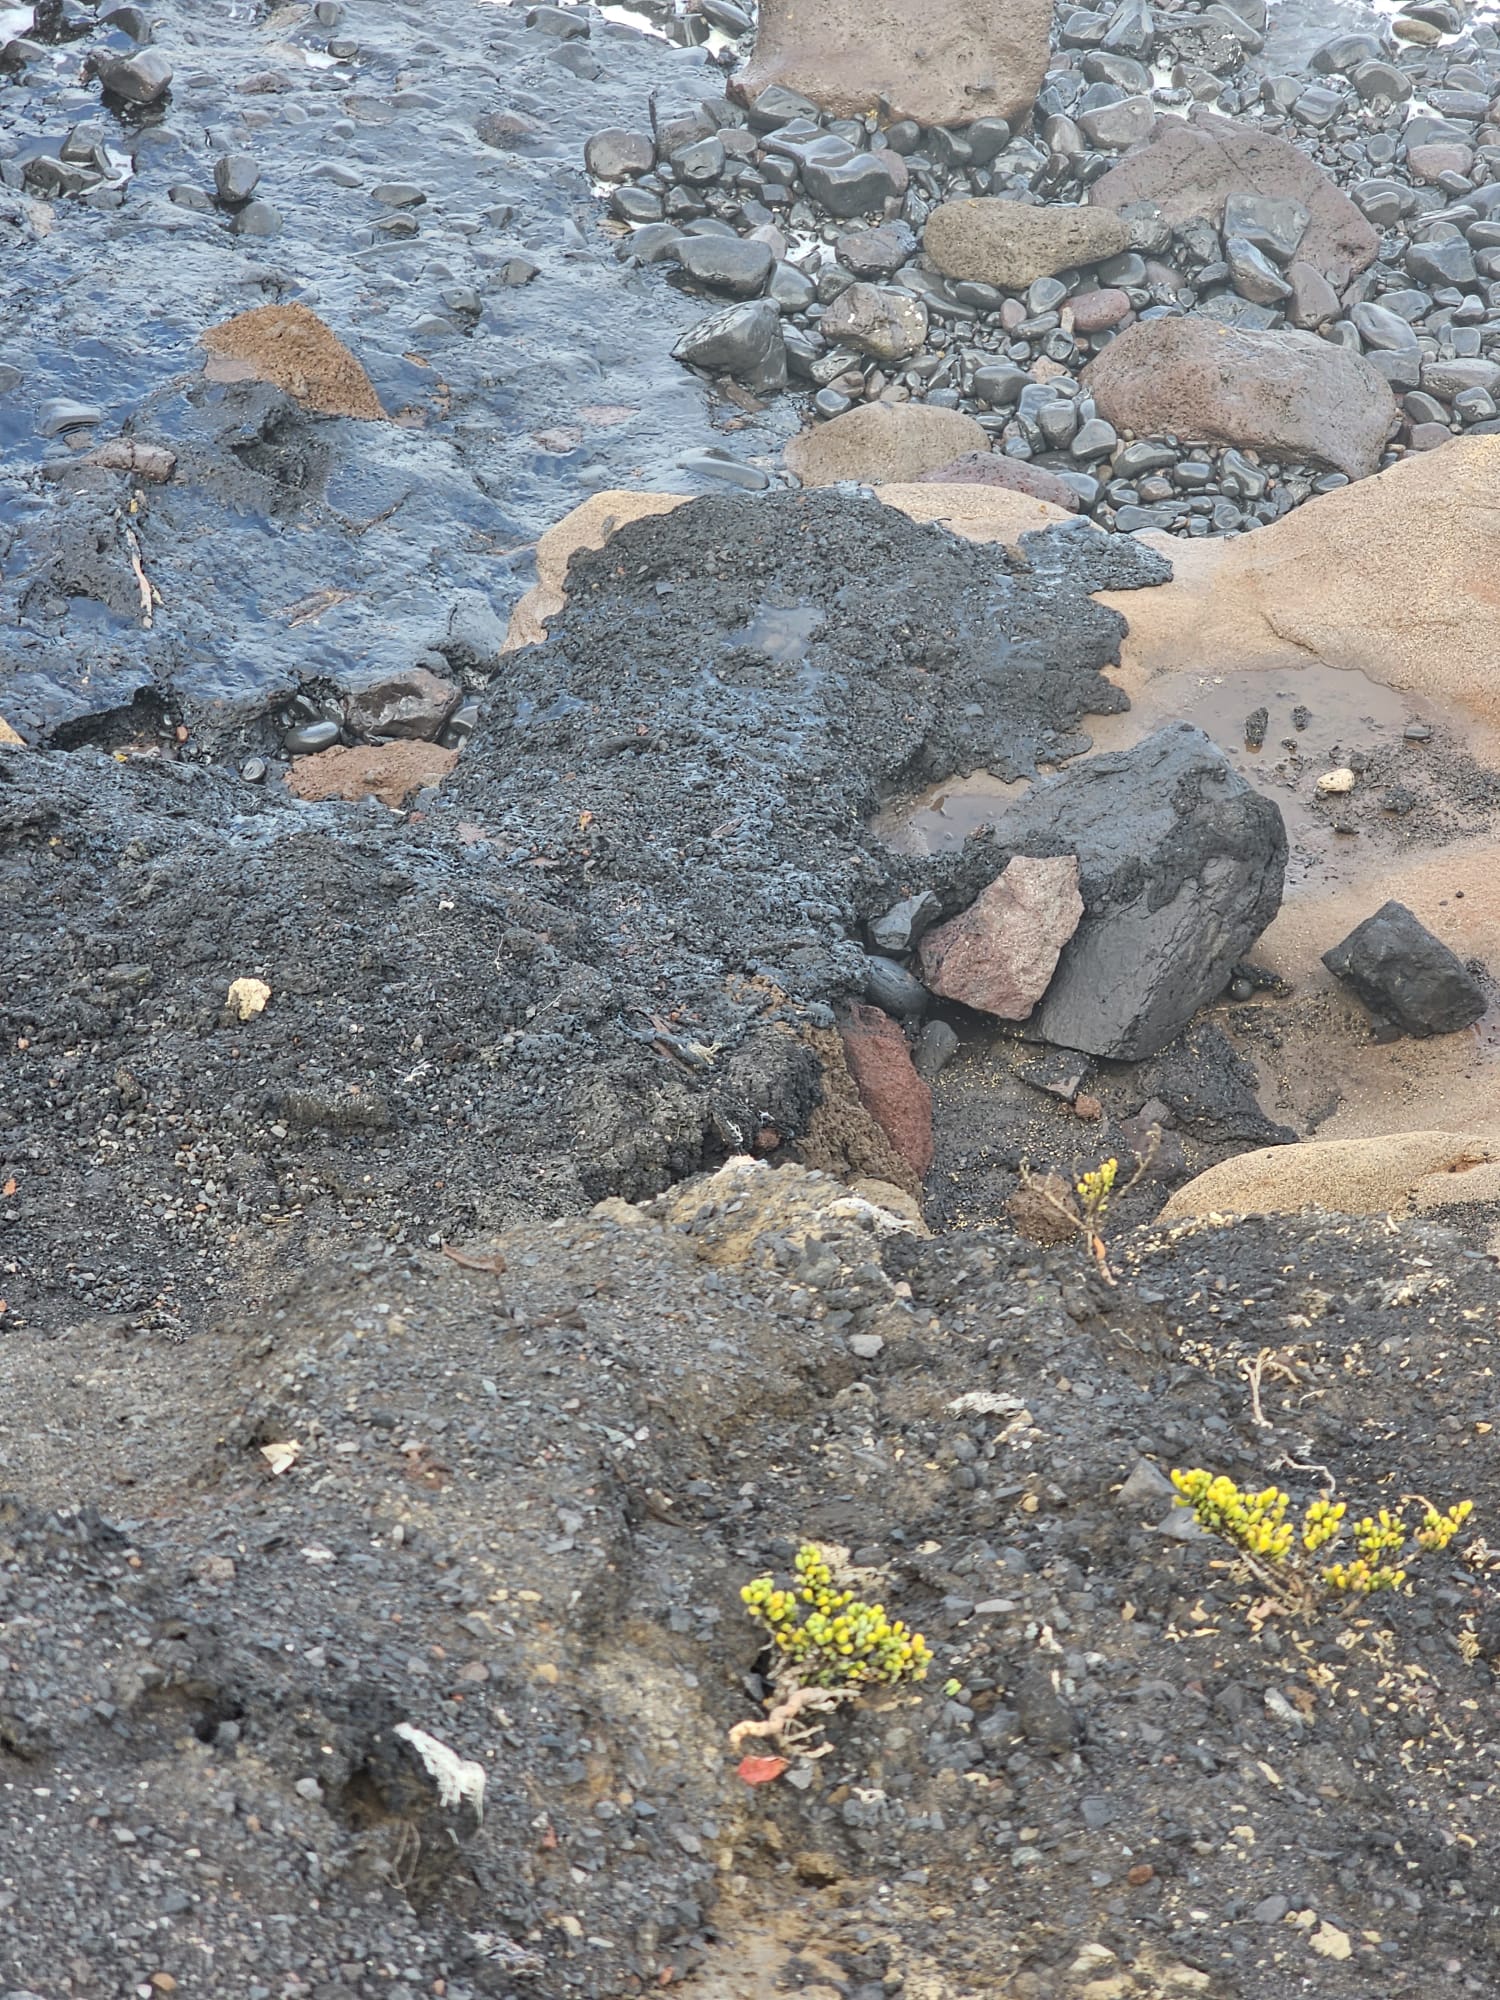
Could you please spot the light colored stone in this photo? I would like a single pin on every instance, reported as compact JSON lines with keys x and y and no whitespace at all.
{"x":882,"y":442}
{"x":978,"y":513}
{"x":953,"y":62}
{"x":1394,"y":577}
{"x":588,"y":526}
{"x":999,"y":956}
{"x":1396,"y":1173}
{"x":390,"y":772}
{"x":8,"y":735}
{"x":1287,"y":393}
{"x":1011,"y":243}
{"x":1334,"y":784}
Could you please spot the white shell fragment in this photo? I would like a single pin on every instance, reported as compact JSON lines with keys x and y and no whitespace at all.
{"x":457,"y":1778}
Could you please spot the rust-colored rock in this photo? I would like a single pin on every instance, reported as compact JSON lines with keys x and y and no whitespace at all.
{"x":1000,"y":955}
{"x":1044,"y":1210}
{"x":1189,"y":167}
{"x":889,"y":1087}
{"x":292,"y":348}
{"x":948,"y":63}
{"x":1287,"y":393}
{"x":390,"y":772}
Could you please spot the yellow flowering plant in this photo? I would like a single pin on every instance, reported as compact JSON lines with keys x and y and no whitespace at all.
{"x":1282,"y":1552}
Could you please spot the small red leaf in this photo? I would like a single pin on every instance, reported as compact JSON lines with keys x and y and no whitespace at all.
{"x":761,"y":1770}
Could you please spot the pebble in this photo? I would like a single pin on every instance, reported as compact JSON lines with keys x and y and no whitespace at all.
{"x":892,"y":987}
{"x":310,"y":737}
{"x":235,"y":176}
{"x":144,"y":78}
{"x":1335,"y":784}
{"x":726,"y":264}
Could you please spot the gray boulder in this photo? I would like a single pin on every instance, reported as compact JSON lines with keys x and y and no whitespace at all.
{"x":743,"y":341}
{"x":1180,"y":867}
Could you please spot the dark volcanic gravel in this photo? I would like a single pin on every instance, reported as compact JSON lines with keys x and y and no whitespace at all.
{"x":581,"y":971}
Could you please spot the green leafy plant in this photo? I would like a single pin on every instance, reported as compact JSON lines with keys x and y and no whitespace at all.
{"x":1284,"y":1553}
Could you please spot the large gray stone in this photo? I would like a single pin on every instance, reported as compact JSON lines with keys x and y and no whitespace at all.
{"x":958,"y":61}
{"x":1287,"y":393}
{"x":1180,"y":865}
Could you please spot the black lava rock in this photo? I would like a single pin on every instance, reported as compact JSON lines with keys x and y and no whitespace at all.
{"x":1405,"y":975}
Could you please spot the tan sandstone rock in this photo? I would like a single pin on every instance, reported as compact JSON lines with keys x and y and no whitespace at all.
{"x":292,"y":348}
{"x":1395,"y":576}
{"x":1011,"y":244}
{"x":953,"y":62}
{"x":588,"y":526}
{"x":1395,"y":1173}
{"x":881,"y":442}
{"x":978,"y":513}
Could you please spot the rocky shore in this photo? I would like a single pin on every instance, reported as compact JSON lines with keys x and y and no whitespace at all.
{"x":749,"y":773}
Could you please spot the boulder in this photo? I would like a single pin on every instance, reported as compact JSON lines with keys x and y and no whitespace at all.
{"x":414,"y":702}
{"x":1287,"y":393}
{"x":743,"y":341}
{"x":1180,"y":866}
{"x":978,"y":513}
{"x":999,"y":954}
{"x":1406,"y":976}
{"x":1015,"y":475}
{"x":880,"y":1062}
{"x":1393,"y":1173}
{"x":963,"y":60}
{"x":1189,"y":168}
{"x":1394,"y":577}
{"x":878,"y":320}
{"x":882,"y":441}
{"x":1011,"y":244}
{"x":292,"y":348}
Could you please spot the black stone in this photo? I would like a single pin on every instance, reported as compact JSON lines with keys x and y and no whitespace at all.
{"x":1405,"y":975}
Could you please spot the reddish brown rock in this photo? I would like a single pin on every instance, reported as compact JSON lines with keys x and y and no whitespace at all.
{"x":1287,"y":393}
{"x":1094,"y":311}
{"x":292,"y":348}
{"x":888,"y":1085}
{"x":1430,"y":163}
{"x":390,"y":772}
{"x":1188,"y":167}
{"x":1000,"y":955}
{"x":993,"y":468}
